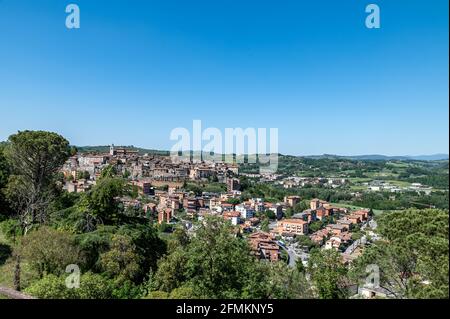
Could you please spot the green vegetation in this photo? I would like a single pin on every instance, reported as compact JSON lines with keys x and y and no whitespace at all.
{"x":431,"y":173}
{"x":123,"y":253}
{"x":217,"y":264}
{"x":328,"y":274}
{"x":199,"y":188}
{"x":397,"y":173}
{"x":413,"y":255}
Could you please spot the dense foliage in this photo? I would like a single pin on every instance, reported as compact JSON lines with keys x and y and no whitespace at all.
{"x":413,"y":255}
{"x":123,"y":253}
{"x":216,"y":263}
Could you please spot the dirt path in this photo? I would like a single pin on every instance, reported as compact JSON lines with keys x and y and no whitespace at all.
{"x":13,"y":294}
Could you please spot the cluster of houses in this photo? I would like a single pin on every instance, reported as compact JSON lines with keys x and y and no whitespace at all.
{"x":295,"y":181}
{"x":242,"y":214}
{"x":147,"y":172}
{"x":336,"y":234}
{"x":264,"y":246}
{"x":339,"y":235}
{"x":83,"y":169}
{"x":385,"y":186}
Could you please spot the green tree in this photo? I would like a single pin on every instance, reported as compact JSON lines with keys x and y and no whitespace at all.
{"x":11,"y":230}
{"x":50,"y":287}
{"x":35,"y":158}
{"x":265,"y":225}
{"x":328,"y":274}
{"x":413,"y":254}
{"x":215,"y":263}
{"x":219,"y":263}
{"x":101,"y":201}
{"x":92,"y":286}
{"x":121,"y":261}
{"x":302,"y":206}
{"x":171,"y":272}
{"x":315,"y":226}
{"x":184,"y":292}
{"x":233,"y":201}
{"x":179,"y":238}
{"x":93,"y":244}
{"x":126,"y":174}
{"x":270,"y":214}
{"x":49,"y":251}
{"x":149,"y":247}
{"x":300,"y":267}
{"x":83,"y":175}
{"x":108,"y":172}
{"x":284,"y":282}
{"x":289,"y":212}
{"x":157,"y":295}
{"x":305,"y":241}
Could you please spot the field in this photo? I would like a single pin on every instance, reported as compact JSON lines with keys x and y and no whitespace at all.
{"x":353,"y":207}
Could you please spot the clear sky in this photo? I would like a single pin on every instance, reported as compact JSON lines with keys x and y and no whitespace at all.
{"x":137,"y":69}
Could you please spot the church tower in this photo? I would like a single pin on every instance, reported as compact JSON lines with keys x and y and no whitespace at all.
{"x":112,"y":152}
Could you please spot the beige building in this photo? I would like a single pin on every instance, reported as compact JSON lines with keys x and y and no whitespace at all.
{"x":294,"y":226}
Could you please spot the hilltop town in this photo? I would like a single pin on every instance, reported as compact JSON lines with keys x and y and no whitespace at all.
{"x":283,"y":228}
{"x":138,"y":224}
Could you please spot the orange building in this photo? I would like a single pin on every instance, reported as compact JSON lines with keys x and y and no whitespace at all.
{"x":322,"y":212}
{"x":316,"y":203}
{"x":165,"y":215}
{"x":263,"y":245}
{"x":293,"y":226}
{"x":363,"y":214}
{"x":291,"y":201}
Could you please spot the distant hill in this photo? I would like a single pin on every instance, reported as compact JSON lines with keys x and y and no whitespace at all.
{"x":433,"y":157}
{"x":370,"y":157}
{"x":377,"y":157}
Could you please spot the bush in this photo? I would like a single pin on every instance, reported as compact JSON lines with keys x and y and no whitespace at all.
{"x":50,"y":287}
{"x":49,"y":251}
{"x":182,"y":293}
{"x":157,"y":295}
{"x":11,"y":229}
{"x":92,"y":286}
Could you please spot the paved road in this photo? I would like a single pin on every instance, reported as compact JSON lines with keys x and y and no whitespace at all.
{"x":355,"y":244}
{"x":362,"y":241}
{"x":292,"y":257}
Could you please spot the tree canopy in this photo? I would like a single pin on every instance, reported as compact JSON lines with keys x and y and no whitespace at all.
{"x":413,"y":254}
{"x":34,"y":158}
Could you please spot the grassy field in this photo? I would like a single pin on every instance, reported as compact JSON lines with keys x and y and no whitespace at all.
{"x":356,"y":188}
{"x":359,"y":179}
{"x":399,"y":183}
{"x":352,"y":207}
{"x":398,"y":164}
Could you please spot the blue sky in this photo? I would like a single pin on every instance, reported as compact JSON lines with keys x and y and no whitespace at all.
{"x":137,"y":69}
